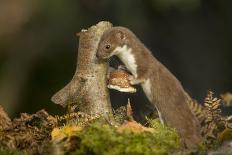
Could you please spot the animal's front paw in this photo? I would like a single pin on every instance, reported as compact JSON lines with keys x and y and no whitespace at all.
{"x":122,"y":67}
{"x":135,"y":81}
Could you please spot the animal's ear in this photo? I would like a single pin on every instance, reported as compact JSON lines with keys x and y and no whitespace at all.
{"x":120,"y":35}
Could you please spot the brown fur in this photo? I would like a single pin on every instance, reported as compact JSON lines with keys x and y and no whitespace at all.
{"x":168,"y":94}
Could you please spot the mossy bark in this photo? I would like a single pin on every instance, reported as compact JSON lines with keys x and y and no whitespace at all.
{"x":88,"y":89}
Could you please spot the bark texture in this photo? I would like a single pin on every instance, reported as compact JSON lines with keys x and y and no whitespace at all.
{"x":88,"y":89}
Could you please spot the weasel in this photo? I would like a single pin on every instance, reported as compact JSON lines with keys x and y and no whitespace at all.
{"x":160,"y":86}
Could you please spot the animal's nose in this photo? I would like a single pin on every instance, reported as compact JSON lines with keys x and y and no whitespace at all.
{"x":99,"y":55}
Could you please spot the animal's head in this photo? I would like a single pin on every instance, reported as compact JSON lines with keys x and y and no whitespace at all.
{"x":110,"y":40}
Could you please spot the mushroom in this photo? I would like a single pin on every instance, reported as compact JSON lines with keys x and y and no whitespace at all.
{"x":118,"y":80}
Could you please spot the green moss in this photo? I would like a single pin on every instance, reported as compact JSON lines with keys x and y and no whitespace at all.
{"x":102,"y":138}
{"x":229,"y":152}
{"x":4,"y":151}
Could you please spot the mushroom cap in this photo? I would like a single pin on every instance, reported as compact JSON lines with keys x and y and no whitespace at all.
{"x":118,"y":80}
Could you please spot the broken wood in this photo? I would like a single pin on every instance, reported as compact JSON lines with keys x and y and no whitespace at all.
{"x":88,"y":88}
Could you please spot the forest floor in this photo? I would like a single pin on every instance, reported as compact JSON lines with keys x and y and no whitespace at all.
{"x":79,"y":133}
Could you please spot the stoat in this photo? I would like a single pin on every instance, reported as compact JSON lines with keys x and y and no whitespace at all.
{"x":160,"y":86}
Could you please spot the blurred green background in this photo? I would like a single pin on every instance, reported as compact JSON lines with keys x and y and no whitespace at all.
{"x":38,"y":46}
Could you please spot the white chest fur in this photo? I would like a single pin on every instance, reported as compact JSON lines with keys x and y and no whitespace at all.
{"x":127,"y":57}
{"x":147,"y":90}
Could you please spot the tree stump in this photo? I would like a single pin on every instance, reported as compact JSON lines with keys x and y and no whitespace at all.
{"x":88,"y":87}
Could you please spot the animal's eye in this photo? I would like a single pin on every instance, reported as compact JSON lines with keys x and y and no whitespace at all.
{"x":107,"y":47}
